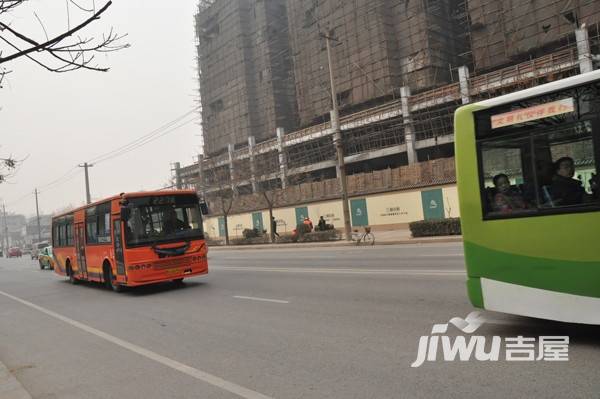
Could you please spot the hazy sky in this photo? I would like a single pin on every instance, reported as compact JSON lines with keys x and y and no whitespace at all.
{"x":60,"y":120}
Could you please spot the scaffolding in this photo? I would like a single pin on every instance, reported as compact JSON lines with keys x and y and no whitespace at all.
{"x":505,"y":32}
{"x":246,"y":79}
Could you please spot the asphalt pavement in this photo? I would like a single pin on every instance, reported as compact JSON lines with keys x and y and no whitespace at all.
{"x":286,"y":323}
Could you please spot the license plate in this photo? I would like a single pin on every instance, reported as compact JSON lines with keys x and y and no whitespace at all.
{"x":173,"y":271}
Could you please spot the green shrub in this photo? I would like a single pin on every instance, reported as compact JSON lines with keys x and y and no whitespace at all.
{"x":431,"y":228}
{"x":252,"y":233}
{"x":250,"y":241}
{"x":327,"y":235}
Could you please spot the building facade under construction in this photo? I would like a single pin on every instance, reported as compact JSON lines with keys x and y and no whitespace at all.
{"x":401,"y":68}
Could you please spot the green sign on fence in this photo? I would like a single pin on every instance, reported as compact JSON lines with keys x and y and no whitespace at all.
{"x":301,"y":214}
{"x":257,"y":221}
{"x":221,"y":227}
{"x":360,"y":216}
{"x":433,"y":204}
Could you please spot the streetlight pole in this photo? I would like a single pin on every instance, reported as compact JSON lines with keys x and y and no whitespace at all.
{"x":37,"y":211}
{"x":338,"y":141}
{"x":88,"y":197}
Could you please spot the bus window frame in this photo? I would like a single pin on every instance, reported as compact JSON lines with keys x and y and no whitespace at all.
{"x":59,"y":226}
{"x":531,"y":135}
{"x":92,"y":212}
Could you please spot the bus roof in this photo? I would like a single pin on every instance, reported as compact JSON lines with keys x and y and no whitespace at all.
{"x":542,"y":89}
{"x":128,"y":195}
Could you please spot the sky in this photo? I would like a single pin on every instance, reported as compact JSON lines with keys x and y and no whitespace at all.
{"x":58,"y":121}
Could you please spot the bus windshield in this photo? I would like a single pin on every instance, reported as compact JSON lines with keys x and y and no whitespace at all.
{"x":163,"y":219}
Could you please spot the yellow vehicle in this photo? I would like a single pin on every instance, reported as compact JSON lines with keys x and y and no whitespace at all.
{"x":45,"y":258}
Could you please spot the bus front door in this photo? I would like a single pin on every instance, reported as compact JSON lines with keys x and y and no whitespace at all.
{"x":80,"y":248}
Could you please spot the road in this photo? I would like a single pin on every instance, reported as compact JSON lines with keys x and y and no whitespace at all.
{"x":323,"y":323}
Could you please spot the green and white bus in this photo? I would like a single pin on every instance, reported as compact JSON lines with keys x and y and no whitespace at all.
{"x":527,"y":172}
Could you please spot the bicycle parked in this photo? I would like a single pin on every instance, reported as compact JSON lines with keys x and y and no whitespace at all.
{"x":367,"y":238}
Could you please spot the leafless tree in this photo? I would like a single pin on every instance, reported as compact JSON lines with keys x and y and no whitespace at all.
{"x":269,"y":186}
{"x":65,"y":51}
{"x":221,"y":188}
{"x":8,"y":167}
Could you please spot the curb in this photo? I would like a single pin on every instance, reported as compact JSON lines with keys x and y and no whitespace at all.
{"x":10,"y":387}
{"x":332,"y":244}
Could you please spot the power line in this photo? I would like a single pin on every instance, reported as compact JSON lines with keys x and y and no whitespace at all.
{"x":133,"y":145}
{"x":139,"y":141}
{"x":146,"y":141}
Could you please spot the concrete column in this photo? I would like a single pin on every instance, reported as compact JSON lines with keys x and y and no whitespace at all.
{"x":251,"y":144}
{"x":409,"y":133}
{"x":463,"y":76}
{"x":201,"y":186}
{"x":177,"y":169}
{"x":282,"y":158}
{"x":586,"y":63}
{"x":230,"y":150}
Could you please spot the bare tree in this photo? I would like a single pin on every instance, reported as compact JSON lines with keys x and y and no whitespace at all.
{"x":222,"y":191}
{"x":8,"y":167}
{"x":268,"y":186}
{"x":65,"y":51}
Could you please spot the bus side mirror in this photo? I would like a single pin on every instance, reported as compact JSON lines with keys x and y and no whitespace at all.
{"x":125,"y":213}
{"x":203,"y":208}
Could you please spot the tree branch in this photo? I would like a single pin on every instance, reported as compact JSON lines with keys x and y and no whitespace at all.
{"x":36,"y":47}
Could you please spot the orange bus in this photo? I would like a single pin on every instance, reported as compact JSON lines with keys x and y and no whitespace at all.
{"x":132,"y":239}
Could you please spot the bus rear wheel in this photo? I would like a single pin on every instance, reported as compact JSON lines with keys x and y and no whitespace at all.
{"x":110,"y":280}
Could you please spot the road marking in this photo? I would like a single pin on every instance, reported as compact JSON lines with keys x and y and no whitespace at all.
{"x":260,"y":299}
{"x":192,"y":372}
{"x":390,"y":272}
{"x":437,"y":255}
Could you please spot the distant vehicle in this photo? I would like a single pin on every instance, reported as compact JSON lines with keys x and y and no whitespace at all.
{"x":37,"y":247}
{"x":46,"y":259}
{"x":132,"y":239}
{"x":14,"y":252}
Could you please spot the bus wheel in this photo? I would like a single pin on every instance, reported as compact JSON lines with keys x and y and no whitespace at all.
{"x":109,"y":278}
{"x":178,"y":281}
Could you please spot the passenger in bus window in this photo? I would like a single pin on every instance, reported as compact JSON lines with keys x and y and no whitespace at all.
{"x":595,"y":186}
{"x":565,"y":190}
{"x":506,"y":198}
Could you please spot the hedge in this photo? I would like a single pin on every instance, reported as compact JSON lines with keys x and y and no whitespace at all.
{"x":431,"y":228}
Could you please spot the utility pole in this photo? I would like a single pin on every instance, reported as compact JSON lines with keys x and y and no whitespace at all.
{"x":338,"y":141}
{"x":5,"y":229}
{"x":37,"y":211}
{"x":88,"y":197}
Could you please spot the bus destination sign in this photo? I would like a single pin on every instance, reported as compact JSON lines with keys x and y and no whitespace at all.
{"x":560,"y":107}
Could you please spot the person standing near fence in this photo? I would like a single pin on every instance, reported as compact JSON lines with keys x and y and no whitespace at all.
{"x":274,"y":227}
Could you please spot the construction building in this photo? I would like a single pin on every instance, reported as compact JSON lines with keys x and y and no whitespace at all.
{"x":245,"y":72}
{"x":401,"y":69}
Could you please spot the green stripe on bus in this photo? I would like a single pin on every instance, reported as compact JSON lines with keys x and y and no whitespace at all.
{"x":571,"y":277}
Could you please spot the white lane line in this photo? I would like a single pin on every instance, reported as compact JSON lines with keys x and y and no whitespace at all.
{"x":251,"y":298}
{"x":390,"y":272}
{"x":192,"y":372}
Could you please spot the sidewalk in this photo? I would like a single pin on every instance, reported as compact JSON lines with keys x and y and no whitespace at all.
{"x":10,"y":387}
{"x":387,"y":237}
